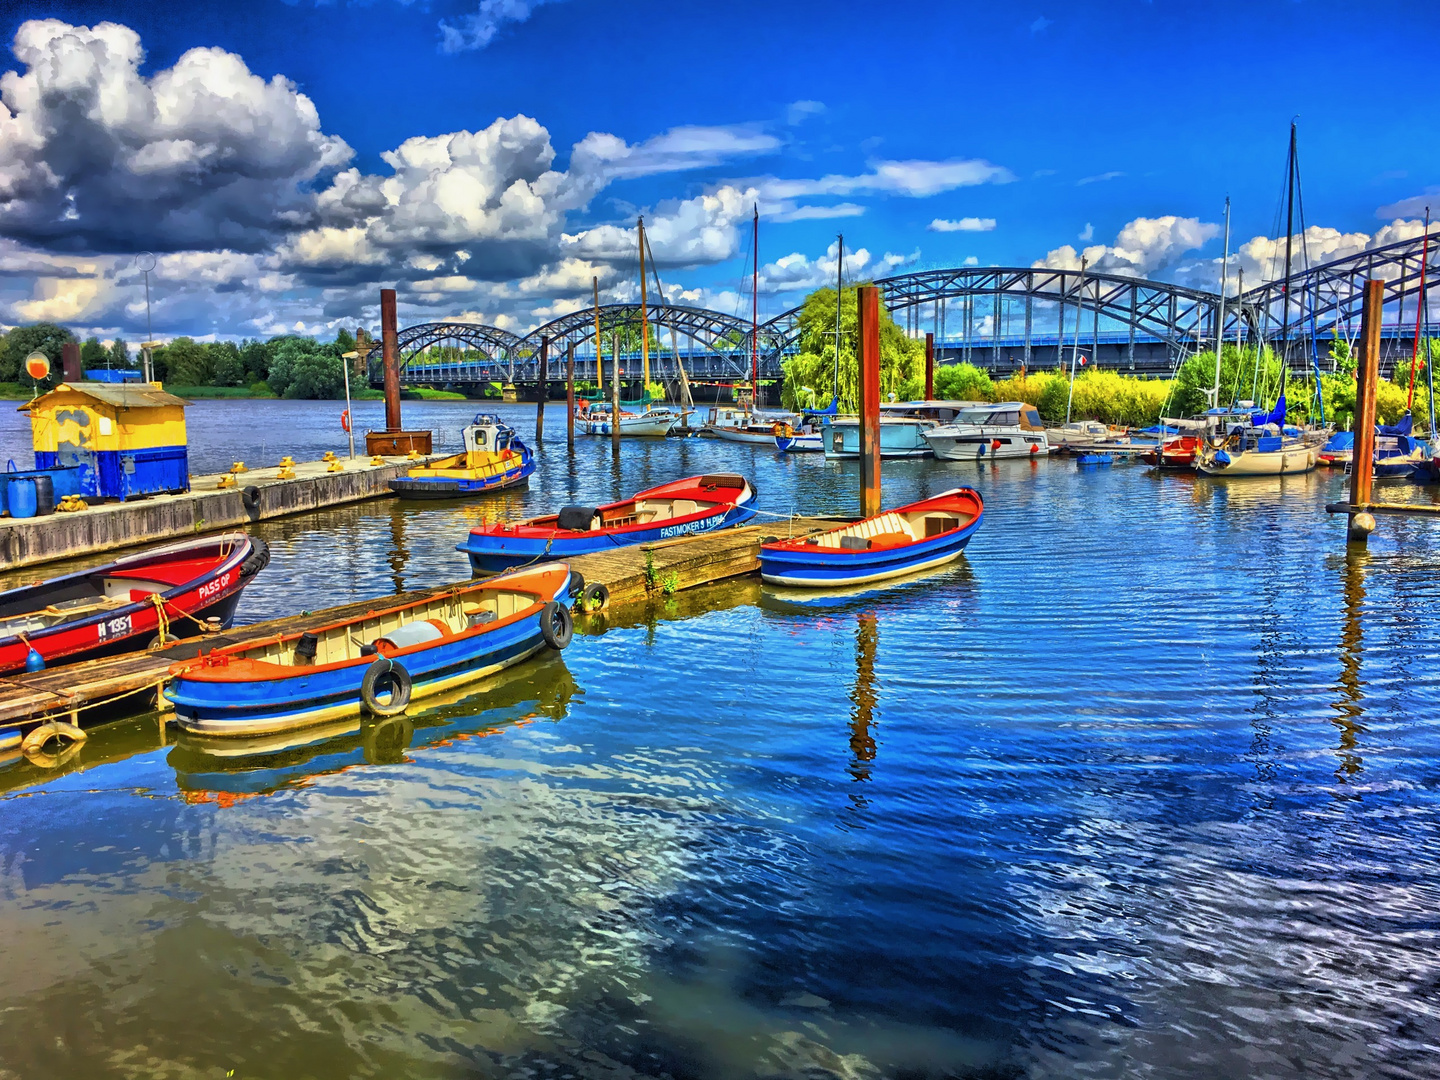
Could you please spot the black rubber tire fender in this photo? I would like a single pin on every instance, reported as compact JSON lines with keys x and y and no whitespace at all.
{"x":557,"y":625}
{"x":595,"y":597}
{"x":381,"y":674}
{"x":577,"y":584}
{"x":250,"y":498}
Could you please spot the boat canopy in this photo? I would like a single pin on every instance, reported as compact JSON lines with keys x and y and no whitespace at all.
{"x":1403,"y":426}
{"x":1274,"y":416}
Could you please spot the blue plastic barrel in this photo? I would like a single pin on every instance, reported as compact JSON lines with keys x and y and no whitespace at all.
{"x":21,"y":493}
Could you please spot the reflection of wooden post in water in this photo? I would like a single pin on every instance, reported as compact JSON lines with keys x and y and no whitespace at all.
{"x":1362,"y":458}
{"x":863,"y":696}
{"x":570,"y":397}
{"x":542,"y":390}
{"x":1349,"y":710}
{"x":399,"y":551}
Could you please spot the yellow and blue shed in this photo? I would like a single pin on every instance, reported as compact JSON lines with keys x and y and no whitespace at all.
{"x":127,"y":440}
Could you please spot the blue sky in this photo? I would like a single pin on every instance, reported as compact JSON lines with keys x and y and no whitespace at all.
{"x":1036,"y":131}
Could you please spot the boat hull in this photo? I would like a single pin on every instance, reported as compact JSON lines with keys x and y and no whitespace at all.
{"x":214,"y":592}
{"x":898,"y":439}
{"x":1259,"y":462}
{"x":455,"y":487}
{"x":812,"y":443}
{"x":981,"y":446}
{"x":646,"y":426}
{"x":740,"y":435}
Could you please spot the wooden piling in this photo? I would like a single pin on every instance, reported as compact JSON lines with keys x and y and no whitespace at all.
{"x":1362,"y":468}
{"x":542,"y":390}
{"x":869,"y":356}
{"x":390,"y":347}
{"x":570,"y":397}
{"x":929,"y":367}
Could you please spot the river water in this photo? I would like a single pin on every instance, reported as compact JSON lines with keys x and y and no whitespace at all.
{"x":1146,"y":785}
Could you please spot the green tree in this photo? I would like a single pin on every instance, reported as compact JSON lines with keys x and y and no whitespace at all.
{"x":187,"y":363}
{"x":1239,"y":379}
{"x":120,"y":355}
{"x":963,"y":382}
{"x":256,"y":357}
{"x":22,"y":341}
{"x":93,"y":354}
{"x":303,"y":368}
{"x":226,"y":366}
{"x":344,"y":341}
{"x":810,"y":374}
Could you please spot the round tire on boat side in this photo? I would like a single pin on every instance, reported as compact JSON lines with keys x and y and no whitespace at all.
{"x":577,"y":584}
{"x":250,"y":498}
{"x":595,"y":596}
{"x":385,"y":676}
{"x":556,"y":624}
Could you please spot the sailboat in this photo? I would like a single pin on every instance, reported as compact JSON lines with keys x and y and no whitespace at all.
{"x":742,"y":423}
{"x":1241,"y":443}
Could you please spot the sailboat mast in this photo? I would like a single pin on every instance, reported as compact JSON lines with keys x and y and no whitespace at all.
{"x":839,"y":301}
{"x":1075,"y":354}
{"x":1420,"y":311}
{"x":1220,"y":313}
{"x":755,"y":311}
{"x":644,"y":323}
{"x":1289,"y":246}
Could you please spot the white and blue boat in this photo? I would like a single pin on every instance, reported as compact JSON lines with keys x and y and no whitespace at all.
{"x":919,"y":536}
{"x":903,"y":425}
{"x":375,"y":663}
{"x":694,"y":505}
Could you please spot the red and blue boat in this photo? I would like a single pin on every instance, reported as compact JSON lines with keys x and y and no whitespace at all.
{"x":494,"y":459}
{"x":919,"y":536}
{"x":376,"y":663}
{"x":123,"y":605}
{"x":682,"y":507}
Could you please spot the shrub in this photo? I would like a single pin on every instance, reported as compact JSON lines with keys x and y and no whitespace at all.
{"x":963,"y":382}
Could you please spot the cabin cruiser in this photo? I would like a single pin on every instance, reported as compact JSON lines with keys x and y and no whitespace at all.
{"x":595,"y":419}
{"x":902,"y":428}
{"x":1010,"y":429}
{"x":1083,"y":435}
{"x":740,"y":424}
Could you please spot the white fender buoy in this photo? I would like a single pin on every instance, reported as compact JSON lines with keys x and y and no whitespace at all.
{"x":35,"y":739}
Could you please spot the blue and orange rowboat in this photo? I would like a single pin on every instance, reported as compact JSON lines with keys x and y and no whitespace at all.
{"x":374,"y":663}
{"x":919,"y":536}
{"x":679,"y":508}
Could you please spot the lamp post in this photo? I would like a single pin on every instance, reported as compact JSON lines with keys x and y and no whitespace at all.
{"x":349,"y":417}
{"x":145,"y":268}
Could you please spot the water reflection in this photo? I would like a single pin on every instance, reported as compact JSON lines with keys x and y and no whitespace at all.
{"x":220,"y":770}
{"x":864,"y":696}
{"x":1349,"y":707}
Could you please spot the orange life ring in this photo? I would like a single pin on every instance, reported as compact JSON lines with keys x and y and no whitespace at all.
{"x":345,"y":419}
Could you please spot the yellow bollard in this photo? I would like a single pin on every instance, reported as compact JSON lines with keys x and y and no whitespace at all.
{"x":238,"y":467}
{"x":226,"y":481}
{"x":413,"y":455}
{"x":377,"y":460}
{"x":287,"y":462}
{"x":334,"y":466}
{"x":329,"y":456}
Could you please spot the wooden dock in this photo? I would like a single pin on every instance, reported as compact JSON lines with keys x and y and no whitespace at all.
{"x":255,"y":495}
{"x":129,"y":683}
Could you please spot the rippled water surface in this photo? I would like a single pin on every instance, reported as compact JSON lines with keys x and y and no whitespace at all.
{"x":1146,"y":785}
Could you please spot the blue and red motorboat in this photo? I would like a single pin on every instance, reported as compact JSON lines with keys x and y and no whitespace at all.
{"x":375,"y":663}
{"x":919,"y":536}
{"x":494,"y":459}
{"x":682,"y":507}
{"x":123,"y":605}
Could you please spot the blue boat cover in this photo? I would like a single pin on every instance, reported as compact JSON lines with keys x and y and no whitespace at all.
{"x":1402,"y":427}
{"x":1267,"y":444}
{"x":1341,"y":440}
{"x":1274,"y":416}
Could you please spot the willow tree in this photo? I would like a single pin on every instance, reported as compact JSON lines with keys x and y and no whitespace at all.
{"x":810,"y":374}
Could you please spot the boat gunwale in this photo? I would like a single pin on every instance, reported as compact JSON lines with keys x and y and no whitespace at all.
{"x":532,"y":529}
{"x":780,"y":548}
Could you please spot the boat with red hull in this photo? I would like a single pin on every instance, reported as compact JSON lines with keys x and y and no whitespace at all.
{"x":118,"y":607}
{"x":679,"y":508}
{"x":1177,"y":453}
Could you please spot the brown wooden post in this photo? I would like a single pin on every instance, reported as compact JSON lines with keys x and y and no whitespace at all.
{"x":869,"y":302}
{"x":389,"y":345}
{"x":570,"y":396}
{"x":615,"y":394}
{"x":1362,"y":468}
{"x":542,"y":390}
{"x":929,"y":367}
{"x":70,"y":362}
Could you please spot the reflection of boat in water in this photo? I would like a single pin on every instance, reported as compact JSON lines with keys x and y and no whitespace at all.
{"x":917,"y":586}
{"x":494,"y":458}
{"x":261,"y":764}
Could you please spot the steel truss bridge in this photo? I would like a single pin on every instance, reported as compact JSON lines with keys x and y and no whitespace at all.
{"x":998,"y":317}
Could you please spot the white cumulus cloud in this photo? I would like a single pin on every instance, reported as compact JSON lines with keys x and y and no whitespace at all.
{"x":968,"y":224}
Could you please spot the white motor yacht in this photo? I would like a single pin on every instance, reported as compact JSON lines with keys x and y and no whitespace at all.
{"x":1010,"y":429}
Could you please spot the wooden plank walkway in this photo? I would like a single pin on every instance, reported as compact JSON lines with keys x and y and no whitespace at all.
{"x":129,"y":682}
